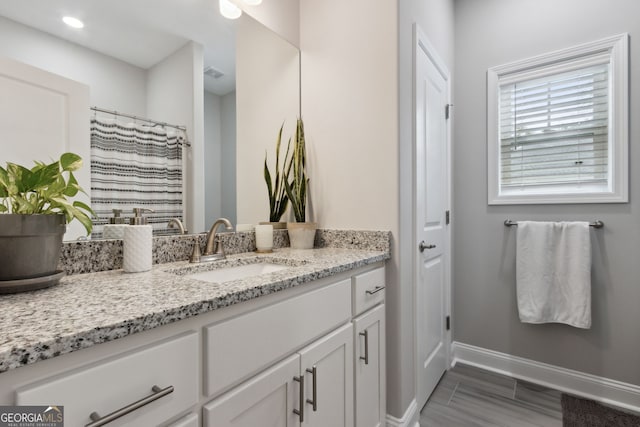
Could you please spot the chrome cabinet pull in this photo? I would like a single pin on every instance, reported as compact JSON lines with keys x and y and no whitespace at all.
{"x":375,"y":290}
{"x":422,"y":246}
{"x":314,"y":375}
{"x":365,"y":334}
{"x":158,"y":392}
{"x":300,"y":412}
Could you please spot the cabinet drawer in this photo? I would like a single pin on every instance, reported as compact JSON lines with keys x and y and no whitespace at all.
{"x":241,"y":346}
{"x":116,"y":383}
{"x":368,"y":290}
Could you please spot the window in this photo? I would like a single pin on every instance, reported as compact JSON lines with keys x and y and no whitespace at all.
{"x":558,"y":126}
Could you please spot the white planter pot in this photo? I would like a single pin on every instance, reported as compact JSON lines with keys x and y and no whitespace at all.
{"x":302,"y":234}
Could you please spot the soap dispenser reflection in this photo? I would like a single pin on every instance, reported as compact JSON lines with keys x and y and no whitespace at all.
{"x":115,"y":228}
{"x":137,"y":244}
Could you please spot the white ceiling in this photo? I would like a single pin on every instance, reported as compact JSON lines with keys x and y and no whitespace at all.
{"x":140,"y":32}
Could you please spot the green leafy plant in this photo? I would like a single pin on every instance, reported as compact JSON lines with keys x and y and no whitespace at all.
{"x":44,"y":189}
{"x":278,"y":199}
{"x":297,"y":188}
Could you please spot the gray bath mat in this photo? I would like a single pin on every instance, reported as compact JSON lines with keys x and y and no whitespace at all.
{"x":577,"y":412}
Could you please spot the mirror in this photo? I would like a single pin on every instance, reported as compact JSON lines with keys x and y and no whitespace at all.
{"x":123,"y":54}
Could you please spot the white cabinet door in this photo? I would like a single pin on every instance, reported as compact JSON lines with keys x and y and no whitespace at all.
{"x":329,"y":363}
{"x":272,"y":398}
{"x":43,"y":115}
{"x":370,"y":378}
{"x":267,"y":400}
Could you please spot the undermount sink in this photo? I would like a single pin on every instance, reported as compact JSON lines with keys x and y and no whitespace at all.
{"x":227,"y":274}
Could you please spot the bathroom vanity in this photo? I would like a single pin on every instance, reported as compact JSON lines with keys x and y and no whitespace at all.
{"x":303,"y":345}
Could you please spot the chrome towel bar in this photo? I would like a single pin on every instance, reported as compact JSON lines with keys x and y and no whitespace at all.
{"x":594,"y":224}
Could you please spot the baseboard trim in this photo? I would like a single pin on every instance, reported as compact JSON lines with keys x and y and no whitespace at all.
{"x":409,"y":418}
{"x":578,"y":383}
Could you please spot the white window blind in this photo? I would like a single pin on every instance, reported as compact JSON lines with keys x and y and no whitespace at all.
{"x":554,"y":130}
{"x":558,"y":126}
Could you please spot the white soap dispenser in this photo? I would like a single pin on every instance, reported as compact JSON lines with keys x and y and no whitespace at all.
{"x":137,"y":245}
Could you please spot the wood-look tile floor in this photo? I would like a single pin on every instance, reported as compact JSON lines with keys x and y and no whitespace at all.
{"x":467,"y":396}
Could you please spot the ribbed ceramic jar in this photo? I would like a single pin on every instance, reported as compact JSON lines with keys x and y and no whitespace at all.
{"x":276,"y":225}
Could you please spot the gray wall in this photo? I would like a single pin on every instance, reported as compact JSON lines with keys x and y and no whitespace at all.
{"x":220,"y":157}
{"x":213,"y":158}
{"x":228,"y":133}
{"x":494,"y":32}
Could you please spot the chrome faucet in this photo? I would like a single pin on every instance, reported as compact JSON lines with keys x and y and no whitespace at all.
{"x":176,"y":223}
{"x":214,"y":250}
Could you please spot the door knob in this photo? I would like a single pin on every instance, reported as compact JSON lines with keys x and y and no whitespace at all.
{"x":422,"y":246}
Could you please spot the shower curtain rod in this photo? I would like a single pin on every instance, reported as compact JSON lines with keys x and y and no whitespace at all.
{"x":116,"y":113}
{"x":155,"y":122}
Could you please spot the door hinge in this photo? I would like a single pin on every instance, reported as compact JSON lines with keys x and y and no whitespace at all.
{"x":447,"y":217}
{"x":448,"y":322}
{"x":447,"y":110}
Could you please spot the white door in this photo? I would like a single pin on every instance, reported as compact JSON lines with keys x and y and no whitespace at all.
{"x":327,"y":366}
{"x":268,"y":399}
{"x":431,"y":204}
{"x":43,"y":115}
{"x":370,"y":384}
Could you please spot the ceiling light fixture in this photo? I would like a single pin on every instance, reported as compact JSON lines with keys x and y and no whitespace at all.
{"x":229,"y":10}
{"x":73,"y":22}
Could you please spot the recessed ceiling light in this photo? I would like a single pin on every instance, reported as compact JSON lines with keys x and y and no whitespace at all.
{"x":229,"y":10}
{"x":73,"y":22}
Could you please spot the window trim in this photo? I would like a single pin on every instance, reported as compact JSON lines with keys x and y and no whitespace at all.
{"x":617,"y":49}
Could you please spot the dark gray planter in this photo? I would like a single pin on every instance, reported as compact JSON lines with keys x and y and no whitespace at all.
{"x":30,"y":245}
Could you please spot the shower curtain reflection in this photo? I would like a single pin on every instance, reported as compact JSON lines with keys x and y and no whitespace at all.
{"x":134,"y":165}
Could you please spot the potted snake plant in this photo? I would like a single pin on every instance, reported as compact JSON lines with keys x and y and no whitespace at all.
{"x":34,"y":208}
{"x":301,"y":233}
{"x":278,"y":199}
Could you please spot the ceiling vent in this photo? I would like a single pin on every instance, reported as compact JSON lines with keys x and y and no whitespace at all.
{"x":212,"y":72}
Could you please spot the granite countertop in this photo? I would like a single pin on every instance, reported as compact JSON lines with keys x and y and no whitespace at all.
{"x":87,"y":309}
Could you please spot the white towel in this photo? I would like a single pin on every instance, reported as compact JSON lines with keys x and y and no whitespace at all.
{"x":553,"y":272}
